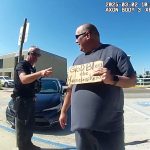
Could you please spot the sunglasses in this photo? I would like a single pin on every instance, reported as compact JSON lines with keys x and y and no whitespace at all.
{"x":77,"y":36}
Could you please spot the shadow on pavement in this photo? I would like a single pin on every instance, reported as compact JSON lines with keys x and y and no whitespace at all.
{"x":137,"y":142}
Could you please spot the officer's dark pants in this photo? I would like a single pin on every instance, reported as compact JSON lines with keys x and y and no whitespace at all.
{"x":25,"y":123}
{"x":95,"y":140}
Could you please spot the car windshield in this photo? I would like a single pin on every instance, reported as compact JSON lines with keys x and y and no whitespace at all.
{"x":7,"y":78}
{"x":63,"y":83}
{"x":49,"y":86}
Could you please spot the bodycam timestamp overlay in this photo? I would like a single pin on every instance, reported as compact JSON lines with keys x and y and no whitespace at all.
{"x":127,"y":7}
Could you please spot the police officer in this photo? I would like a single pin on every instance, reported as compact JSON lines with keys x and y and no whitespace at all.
{"x":25,"y":76}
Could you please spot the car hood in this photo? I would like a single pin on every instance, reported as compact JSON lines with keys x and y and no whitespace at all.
{"x":45,"y":101}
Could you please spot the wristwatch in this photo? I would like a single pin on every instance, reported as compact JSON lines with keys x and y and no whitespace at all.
{"x":115,"y":79}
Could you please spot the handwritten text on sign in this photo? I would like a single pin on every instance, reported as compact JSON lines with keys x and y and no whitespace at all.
{"x":83,"y":73}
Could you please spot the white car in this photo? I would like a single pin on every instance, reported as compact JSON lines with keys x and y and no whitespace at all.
{"x":6,"y":81}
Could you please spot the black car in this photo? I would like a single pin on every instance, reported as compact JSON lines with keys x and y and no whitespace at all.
{"x":48,"y":104}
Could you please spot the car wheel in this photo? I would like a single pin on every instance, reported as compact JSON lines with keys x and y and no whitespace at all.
{"x":6,"y":84}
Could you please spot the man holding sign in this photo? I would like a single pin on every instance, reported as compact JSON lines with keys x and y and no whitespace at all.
{"x":97,"y":103}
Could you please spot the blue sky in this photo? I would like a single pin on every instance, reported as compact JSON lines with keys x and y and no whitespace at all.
{"x":53,"y":24}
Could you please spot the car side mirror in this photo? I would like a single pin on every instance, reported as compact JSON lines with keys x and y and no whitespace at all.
{"x":64,"y":89}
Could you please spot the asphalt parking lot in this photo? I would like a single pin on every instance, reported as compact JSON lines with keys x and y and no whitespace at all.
{"x":137,"y":125}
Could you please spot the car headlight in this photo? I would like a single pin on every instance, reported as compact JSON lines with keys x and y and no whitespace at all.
{"x":11,"y":107}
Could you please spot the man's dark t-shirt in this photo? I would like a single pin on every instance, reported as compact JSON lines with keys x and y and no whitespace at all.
{"x":24,"y":90}
{"x":99,"y":106}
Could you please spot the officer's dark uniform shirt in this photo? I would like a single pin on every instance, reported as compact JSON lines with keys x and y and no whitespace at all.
{"x":99,"y":106}
{"x":24,"y":90}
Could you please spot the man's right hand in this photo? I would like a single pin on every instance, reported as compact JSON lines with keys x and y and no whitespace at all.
{"x":63,"y":120}
{"x":46,"y":72}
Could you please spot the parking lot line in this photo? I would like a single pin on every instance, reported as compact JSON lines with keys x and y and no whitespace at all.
{"x":41,"y":140}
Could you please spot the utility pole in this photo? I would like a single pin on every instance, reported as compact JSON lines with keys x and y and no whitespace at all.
{"x":22,"y":37}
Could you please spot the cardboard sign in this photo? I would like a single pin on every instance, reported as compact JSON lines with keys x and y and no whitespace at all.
{"x":83,"y":73}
